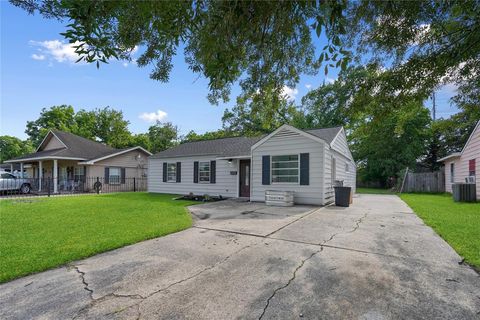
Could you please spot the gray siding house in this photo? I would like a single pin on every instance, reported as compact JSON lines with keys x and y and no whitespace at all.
{"x":68,"y":160}
{"x":306,"y":162}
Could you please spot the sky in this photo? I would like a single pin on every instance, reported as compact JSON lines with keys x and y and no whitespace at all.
{"x":38,"y":70}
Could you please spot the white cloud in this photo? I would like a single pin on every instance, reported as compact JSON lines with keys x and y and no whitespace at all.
{"x":38,"y":56}
{"x":153,"y":116}
{"x":308,"y":86}
{"x":330,"y":80}
{"x":125,"y":64}
{"x":56,"y":50}
{"x":449,"y":89}
{"x":289,"y":93}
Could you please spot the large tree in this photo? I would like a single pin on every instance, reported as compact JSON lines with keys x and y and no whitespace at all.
{"x":338,"y":103}
{"x":264,"y":44}
{"x":192,"y":136}
{"x":260,"y":112}
{"x":257,"y":43}
{"x":11,"y":147}
{"x":57,"y":117}
{"x":423,"y":43}
{"x":111,"y":128}
{"x":162,"y":136}
{"x":387,"y":141}
{"x":106,"y":125}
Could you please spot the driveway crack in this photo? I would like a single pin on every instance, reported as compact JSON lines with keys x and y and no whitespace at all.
{"x":355,"y":228}
{"x":139,"y":297}
{"x":294,"y":275}
{"x":302,"y":263}
{"x":85,"y":283}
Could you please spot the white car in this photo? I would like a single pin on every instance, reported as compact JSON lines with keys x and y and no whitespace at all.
{"x":8,"y":182}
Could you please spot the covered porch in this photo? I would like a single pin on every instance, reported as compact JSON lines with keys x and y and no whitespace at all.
{"x":54,"y":175}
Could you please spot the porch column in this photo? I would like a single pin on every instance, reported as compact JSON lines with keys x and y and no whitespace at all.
{"x":21,"y":169}
{"x":40,"y":175}
{"x":55,"y":176}
{"x":11,"y":168}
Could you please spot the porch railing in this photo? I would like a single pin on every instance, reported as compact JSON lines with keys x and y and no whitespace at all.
{"x":21,"y":187}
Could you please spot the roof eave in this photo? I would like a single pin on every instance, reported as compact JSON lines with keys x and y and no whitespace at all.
{"x":92,"y":161}
{"x":44,"y":158}
{"x":156,"y":156}
{"x":450,"y":156}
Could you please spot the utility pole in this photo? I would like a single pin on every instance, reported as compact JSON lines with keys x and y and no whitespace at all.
{"x":434,"y":107}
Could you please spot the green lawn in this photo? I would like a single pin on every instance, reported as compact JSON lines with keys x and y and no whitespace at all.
{"x":373,"y":191}
{"x":40,"y":233}
{"x":457,"y":223}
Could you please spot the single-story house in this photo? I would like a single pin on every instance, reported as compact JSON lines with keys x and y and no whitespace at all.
{"x":66,"y":159}
{"x":307,"y":162}
{"x":464,"y":165}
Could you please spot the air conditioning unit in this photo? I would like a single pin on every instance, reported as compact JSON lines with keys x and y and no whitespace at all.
{"x":470,"y":180}
{"x":279,"y":198}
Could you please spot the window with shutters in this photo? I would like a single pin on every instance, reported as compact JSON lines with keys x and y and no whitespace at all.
{"x":171,"y":172}
{"x":285,"y":169}
{"x":114,"y":176}
{"x":204,"y":171}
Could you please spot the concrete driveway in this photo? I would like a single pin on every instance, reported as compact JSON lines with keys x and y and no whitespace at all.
{"x":374,"y":260}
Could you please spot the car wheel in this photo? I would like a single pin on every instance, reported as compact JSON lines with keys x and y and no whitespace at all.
{"x":25,"y":188}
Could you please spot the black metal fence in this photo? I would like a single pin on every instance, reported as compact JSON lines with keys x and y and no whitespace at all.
{"x":25,"y":187}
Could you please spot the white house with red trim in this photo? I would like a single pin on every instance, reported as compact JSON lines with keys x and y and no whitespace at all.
{"x":464,"y":165}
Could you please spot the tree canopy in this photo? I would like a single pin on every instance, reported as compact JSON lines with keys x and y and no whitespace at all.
{"x":105,"y":125}
{"x":266,"y":45}
{"x":391,"y":55}
{"x":11,"y":147}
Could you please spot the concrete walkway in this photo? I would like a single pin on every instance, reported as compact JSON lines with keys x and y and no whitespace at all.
{"x":374,"y":260}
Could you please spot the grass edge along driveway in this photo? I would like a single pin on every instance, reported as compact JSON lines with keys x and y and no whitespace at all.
{"x":37,"y":234}
{"x":458,"y":223}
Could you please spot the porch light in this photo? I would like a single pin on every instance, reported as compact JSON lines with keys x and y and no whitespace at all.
{"x":229,"y":161}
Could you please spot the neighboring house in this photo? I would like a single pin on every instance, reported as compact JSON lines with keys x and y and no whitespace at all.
{"x":306,"y":162}
{"x":464,"y":164}
{"x":69,"y":159}
{"x":15,"y":169}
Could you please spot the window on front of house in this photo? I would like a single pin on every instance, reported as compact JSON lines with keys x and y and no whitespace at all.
{"x":204,"y":171}
{"x":285,"y":169}
{"x":79,"y":173}
{"x":171,"y":172}
{"x":114,"y":176}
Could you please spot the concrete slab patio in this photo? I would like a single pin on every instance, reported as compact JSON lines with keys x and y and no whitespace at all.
{"x":374,"y":260}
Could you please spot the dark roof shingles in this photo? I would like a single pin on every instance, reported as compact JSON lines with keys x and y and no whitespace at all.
{"x":76,"y":147}
{"x":232,"y":147}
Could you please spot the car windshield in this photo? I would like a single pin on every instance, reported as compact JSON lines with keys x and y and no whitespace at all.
{"x":7,"y":176}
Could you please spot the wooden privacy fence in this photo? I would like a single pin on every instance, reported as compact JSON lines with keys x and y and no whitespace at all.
{"x":430,"y":182}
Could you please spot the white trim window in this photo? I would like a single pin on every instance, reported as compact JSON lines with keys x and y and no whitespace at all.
{"x":114,"y":176}
{"x":347,"y":167}
{"x":204,"y":172}
{"x":171,"y":172}
{"x":285,"y":169}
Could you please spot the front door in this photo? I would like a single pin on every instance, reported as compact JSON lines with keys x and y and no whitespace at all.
{"x":244,"y":178}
